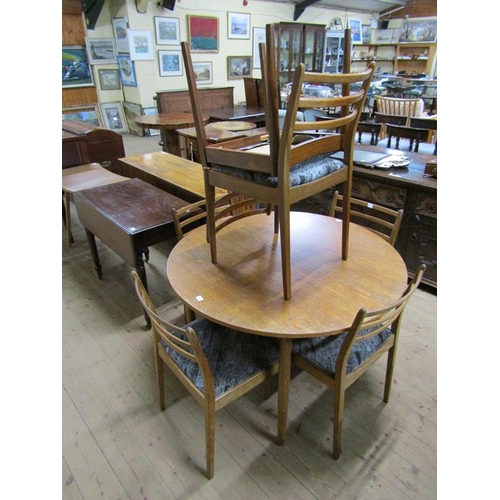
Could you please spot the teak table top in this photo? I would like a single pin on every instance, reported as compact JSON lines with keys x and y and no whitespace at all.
{"x":244,"y":289}
{"x":167,"y":120}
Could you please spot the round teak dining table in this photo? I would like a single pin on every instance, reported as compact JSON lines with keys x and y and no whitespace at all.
{"x":168,"y":123}
{"x":244,"y":289}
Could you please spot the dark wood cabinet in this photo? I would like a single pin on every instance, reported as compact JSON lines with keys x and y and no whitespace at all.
{"x":298,"y":43}
{"x":408,"y":189}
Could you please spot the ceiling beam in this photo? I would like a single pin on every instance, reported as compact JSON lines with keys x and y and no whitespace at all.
{"x":301,"y":7}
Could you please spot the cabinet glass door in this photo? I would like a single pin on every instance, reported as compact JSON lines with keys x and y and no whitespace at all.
{"x":334,"y":53}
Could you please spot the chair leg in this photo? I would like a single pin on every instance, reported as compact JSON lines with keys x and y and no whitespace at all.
{"x":160,"y":379}
{"x":391,"y":356}
{"x":338,"y":416}
{"x":284,"y":217}
{"x":210,"y":440}
{"x":210,"y":200}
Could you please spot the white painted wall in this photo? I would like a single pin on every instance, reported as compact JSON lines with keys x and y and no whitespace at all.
{"x":148,"y":77}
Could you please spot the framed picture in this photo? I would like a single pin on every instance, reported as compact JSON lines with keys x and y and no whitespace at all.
{"x":113,"y":117}
{"x":203,"y":33}
{"x":140,"y":45}
{"x":109,"y":79}
{"x":419,"y":29}
{"x":170,"y":62}
{"x":383,"y":36}
{"x":337,"y":24}
{"x":238,"y":67}
{"x":167,"y":31}
{"x":127,"y":71}
{"x":259,"y":36}
{"x":365,"y":33}
{"x":203,"y":72}
{"x":151,"y":111}
{"x":101,"y":50}
{"x":88,"y":114}
{"x":120,"y":28}
{"x":76,"y":70}
{"x":238,"y":25}
{"x":132,"y":111}
{"x":355,"y":26}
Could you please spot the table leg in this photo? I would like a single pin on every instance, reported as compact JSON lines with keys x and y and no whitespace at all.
{"x":285,"y":361}
{"x":141,"y":271}
{"x":94,"y":253}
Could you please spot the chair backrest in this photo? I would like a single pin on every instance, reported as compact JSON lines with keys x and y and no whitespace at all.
{"x":399,"y":106}
{"x":229,"y":208}
{"x":337,"y":132}
{"x":379,"y":219}
{"x":181,"y":341}
{"x":254,"y":92}
{"x":367,"y":324}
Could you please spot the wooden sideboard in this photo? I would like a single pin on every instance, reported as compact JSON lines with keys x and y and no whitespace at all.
{"x":178,"y":101}
{"x":405,"y":188}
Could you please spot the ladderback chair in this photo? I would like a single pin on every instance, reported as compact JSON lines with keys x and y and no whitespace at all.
{"x":295,"y":164}
{"x":215,"y":364}
{"x":379,"y":219}
{"x":338,"y":361}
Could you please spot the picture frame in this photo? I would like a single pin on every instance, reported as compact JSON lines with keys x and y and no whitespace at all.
{"x":127,"y":71}
{"x":366,"y":33}
{"x":109,"y":79}
{"x":419,"y":29}
{"x":238,"y":67}
{"x":383,"y":36}
{"x":259,"y":35}
{"x":203,"y":72}
{"x":170,"y":62}
{"x":140,"y":45}
{"x":90,"y":114}
{"x":101,"y":50}
{"x":337,"y":24}
{"x":203,"y":33}
{"x":133,"y":110}
{"x":76,"y":70}
{"x":151,"y":111}
{"x":238,"y":25}
{"x":355,"y":26}
{"x":113,"y":116}
{"x":167,"y":30}
{"x":120,"y":27}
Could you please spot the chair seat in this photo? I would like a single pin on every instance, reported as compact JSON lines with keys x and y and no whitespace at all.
{"x":302,"y":173}
{"x":323,"y":351}
{"x":233,"y":356}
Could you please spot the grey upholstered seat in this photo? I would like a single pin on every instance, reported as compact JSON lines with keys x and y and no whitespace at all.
{"x":233,"y":356}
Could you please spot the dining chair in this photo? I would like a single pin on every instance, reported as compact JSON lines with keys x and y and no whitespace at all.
{"x":289,"y":166}
{"x":215,"y":364}
{"x":406,"y":107}
{"x":339,"y":360}
{"x":379,"y":219}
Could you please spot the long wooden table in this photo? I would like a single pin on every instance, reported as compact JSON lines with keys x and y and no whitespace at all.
{"x":244,"y":290}
{"x":176,"y":175}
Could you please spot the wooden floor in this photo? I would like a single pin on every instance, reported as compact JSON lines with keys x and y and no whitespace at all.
{"x":117,"y":444}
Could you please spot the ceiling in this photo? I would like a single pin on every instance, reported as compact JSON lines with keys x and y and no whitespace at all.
{"x":351,"y":5}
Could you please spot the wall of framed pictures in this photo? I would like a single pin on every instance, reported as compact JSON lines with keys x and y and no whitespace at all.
{"x":147,"y":45}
